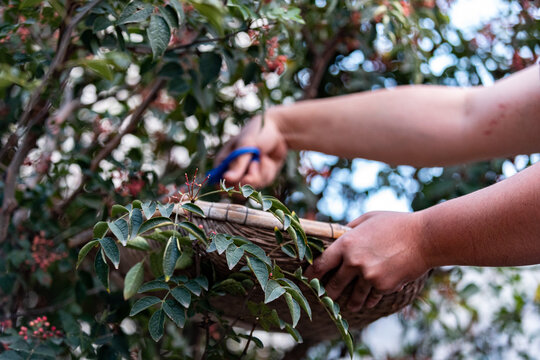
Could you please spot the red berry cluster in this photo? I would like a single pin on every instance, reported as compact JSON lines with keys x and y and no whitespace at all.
{"x":275,"y":62}
{"x":41,"y":253}
{"x":6,"y":324}
{"x":40,"y":329}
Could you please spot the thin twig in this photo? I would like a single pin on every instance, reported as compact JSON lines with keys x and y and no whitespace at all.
{"x":249,"y":340}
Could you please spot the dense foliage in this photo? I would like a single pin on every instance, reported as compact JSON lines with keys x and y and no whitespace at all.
{"x":103,"y":102}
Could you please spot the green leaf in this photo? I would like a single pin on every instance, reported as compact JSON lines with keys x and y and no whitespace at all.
{"x":316,"y":285}
{"x":202,"y":281}
{"x":222,"y":243}
{"x":297,"y":295}
{"x":349,"y":344}
{"x":289,"y":250}
{"x":230,"y":286}
{"x":254,"y":339}
{"x":134,"y":279}
{"x":154,"y":223}
{"x":185,"y":260}
{"x":139,"y":243}
{"x":136,"y":221}
{"x":194,"y":287}
{"x":153,"y":285}
{"x":266,"y":204}
{"x":329,"y":303}
{"x":118,"y":210}
{"x":247,"y":190}
{"x":213,"y":11}
{"x":100,"y":67}
{"x":143,"y":304}
{"x":286,"y":222}
{"x":278,"y":235}
{"x":101,"y":23}
{"x":111,"y":250}
{"x":294,"y":333}
{"x":257,"y":252}
{"x":102,"y":269}
{"x":120,"y":229}
{"x":175,"y":312}
{"x":179,"y":10}
{"x":272,"y":291}
{"x":135,"y":12}
{"x":299,"y":242}
{"x":210,"y":67}
{"x":85,"y":250}
{"x":170,"y":256}
{"x":259,"y":269}
{"x":100,"y":229}
{"x":279,"y":206}
{"x":165,"y":209}
{"x":193,"y":230}
{"x":155,"y":325}
{"x":170,"y":16}
{"x":159,"y":35}
{"x":294,"y":308}
{"x":193,"y":208}
{"x":149,"y":208}
{"x":29,"y":3}
{"x":182,"y":295}
{"x":137,"y":204}
{"x":233,"y":254}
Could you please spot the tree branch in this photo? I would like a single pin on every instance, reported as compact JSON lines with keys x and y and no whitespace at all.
{"x":29,"y":141}
{"x":65,"y":41}
{"x":320,"y":64}
{"x":130,"y":126}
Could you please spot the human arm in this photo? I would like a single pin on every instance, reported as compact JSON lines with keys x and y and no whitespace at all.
{"x":415,"y":125}
{"x":495,"y":226}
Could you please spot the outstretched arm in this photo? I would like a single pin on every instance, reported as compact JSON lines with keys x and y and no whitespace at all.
{"x":495,"y":226}
{"x":415,"y":125}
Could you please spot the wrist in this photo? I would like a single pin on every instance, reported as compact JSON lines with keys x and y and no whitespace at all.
{"x":436,"y":248}
{"x":429,"y":249}
{"x":279,"y":115}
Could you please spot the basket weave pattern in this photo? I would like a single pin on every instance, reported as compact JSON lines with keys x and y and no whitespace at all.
{"x":258,"y":227}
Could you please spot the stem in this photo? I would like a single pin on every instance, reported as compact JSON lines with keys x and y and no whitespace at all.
{"x":249,"y":341}
{"x":312,"y":290}
{"x":279,"y":247}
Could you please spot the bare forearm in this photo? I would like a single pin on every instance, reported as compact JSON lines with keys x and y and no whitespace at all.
{"x":418,"y":125}
{"x":421,"y":125}
{"x":496,"y":226}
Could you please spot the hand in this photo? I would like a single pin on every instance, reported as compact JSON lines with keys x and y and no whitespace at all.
{"x":379,"y":255}
{"x":270,"y":142}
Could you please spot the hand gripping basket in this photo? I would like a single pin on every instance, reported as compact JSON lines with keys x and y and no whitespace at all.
{"x":258,"y":226}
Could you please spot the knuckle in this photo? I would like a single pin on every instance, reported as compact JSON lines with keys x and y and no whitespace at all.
{"x":347,"y":242}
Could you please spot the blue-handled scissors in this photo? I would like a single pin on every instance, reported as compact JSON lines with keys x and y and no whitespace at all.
{"x":217,"y":173}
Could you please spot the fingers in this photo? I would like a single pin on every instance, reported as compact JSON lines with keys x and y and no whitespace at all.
{"x":339,"y":281}
{"x":238,"y":168}
{"x":373,"y":298}
{"x":330,"y":259}
{"x":359,"y":295}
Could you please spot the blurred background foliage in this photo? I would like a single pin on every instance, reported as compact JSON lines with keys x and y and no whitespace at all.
{"x":103,"y":101}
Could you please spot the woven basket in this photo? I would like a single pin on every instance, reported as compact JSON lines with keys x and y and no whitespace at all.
{"x":258,"y":226}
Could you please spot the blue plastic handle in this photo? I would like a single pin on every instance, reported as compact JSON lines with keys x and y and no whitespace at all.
{"x":217,"y":173}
